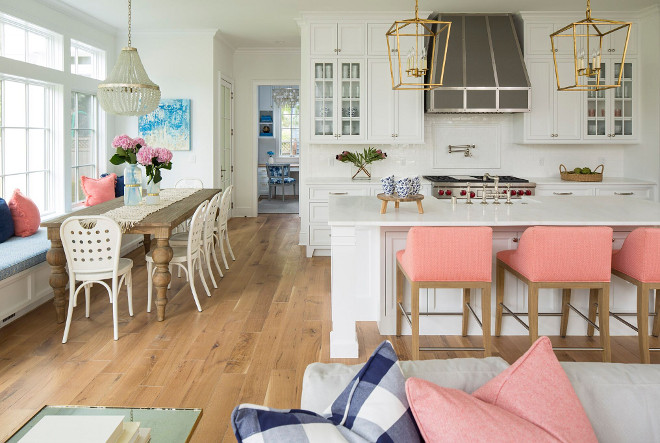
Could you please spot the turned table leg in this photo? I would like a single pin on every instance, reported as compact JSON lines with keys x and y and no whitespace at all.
{"x":58,"y":275}
{"x":147,"y":243}
{"x":162,"y":256}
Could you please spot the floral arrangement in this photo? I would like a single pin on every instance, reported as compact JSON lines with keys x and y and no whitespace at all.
{"x":127,"y":149}
{"x":270,"y":153}
{"x":154,"y":159}
{"x":361,"y":159}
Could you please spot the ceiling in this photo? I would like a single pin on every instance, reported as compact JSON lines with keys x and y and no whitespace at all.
{"x":269,"y":23}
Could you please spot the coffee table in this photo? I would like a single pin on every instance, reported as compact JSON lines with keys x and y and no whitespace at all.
{"x":168,"y":425}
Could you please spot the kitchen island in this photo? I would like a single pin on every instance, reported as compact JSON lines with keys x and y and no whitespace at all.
{"x":364,"y":245}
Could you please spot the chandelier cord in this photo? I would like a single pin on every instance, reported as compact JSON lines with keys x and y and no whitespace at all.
{"x":129,"y":23}
{"x":588,"y":8}
{"x":417,"y":9}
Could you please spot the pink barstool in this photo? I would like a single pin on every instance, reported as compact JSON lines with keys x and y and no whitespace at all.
{"x":451,"y":257}
{"x":638,"y":261}
{"x":565,"y":258}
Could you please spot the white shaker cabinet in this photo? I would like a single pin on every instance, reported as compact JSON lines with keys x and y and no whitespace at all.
{"x":338,"y":39}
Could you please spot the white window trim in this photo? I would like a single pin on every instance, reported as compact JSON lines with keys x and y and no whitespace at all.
{"x":98,"y":59}
{"x":55,"y":54}
{"x":97,"y":142}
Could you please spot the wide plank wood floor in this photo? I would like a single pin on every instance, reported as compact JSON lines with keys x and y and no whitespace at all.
{"x":267,"y":320}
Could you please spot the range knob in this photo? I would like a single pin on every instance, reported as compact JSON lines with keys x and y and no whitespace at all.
{"x":528,"y":192}
{"x":472,"y":194}
{"x":520,"y":192}
{"x":463,"y":192}
{"x":448,"y":192}
{"x":441,"y":192}
{"x":513,"y":192}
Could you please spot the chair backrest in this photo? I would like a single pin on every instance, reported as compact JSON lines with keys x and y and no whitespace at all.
{"x":225,"y":205}
{"x":196,"y":229}
{"x":448,"y":253}
{"x":211,"y":216}
{"x":278,"y":171}
{"x":91,"y":243}
{"x":189,"y":183}
{"x":639,"y":256}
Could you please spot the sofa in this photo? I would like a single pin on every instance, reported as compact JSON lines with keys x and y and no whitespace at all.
{"x":622,"y":401}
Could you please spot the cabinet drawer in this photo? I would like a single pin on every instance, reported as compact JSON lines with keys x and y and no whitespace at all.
{"x":319,"y":235}
{"x":565,"y":190}
{"x":318,"y":212}
{"x":627,"y":191}
{"x":324,"y":193}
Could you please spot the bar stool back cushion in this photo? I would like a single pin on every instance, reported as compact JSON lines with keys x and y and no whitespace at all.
{"x":639,"y":257}
{"x":562,"y":254}
{"x":448,"y":254}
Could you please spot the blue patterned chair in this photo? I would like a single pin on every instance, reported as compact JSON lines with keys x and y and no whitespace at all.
{"x":278,"y":175}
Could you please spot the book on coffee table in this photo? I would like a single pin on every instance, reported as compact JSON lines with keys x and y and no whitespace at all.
{"x":76,"y":429}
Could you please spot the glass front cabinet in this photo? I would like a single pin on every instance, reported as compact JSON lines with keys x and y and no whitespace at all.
{"x":338,"y":100}
{"x":610,"y":114}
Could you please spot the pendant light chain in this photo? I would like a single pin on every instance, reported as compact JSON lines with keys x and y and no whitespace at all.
{"x":588,"y":9}
{"x":129,"y":23}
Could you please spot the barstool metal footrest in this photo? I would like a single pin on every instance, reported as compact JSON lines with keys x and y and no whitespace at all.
{"x":583,"y":316}
{"x":630,"y":325}
{"x":474,"y":314}
{"x":514,"y":315}
{"x":575,"y":348}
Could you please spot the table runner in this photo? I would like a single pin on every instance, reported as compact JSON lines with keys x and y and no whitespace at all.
{"x":129,"y":216}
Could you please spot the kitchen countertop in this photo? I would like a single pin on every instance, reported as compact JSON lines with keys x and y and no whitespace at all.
{"x":568,"y":211}
{"x":606,"y":181}
{"x":347,"y":181}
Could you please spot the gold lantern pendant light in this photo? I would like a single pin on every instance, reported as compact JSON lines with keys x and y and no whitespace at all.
{"x":128,"y":90}
{"x":413,"y":43}
{"x":587,"y":38}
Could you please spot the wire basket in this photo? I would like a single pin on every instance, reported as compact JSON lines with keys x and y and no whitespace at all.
{"x":571,"y":176}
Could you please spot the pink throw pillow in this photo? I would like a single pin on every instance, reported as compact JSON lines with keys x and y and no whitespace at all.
{"x":25,"y":214}
{"x":537,"y":389}
{"x":98,"y":190}
{"x":451,"y":415}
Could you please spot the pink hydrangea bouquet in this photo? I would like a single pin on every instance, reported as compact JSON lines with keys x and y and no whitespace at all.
{"x":154,"y":159}
{"x":127,"y":149}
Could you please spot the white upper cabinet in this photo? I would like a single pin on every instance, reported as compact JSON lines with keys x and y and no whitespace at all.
{"x":343,"y":39}
{"x":376,"y":40}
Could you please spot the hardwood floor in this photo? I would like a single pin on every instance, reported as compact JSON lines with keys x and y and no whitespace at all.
{"x":268,"y":319}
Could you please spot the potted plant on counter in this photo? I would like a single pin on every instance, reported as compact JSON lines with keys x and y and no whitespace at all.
{"x":361,"y":161}
{"x":154,"y":159}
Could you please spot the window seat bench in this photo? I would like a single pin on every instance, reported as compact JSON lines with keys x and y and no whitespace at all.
{"x":20,"y":253}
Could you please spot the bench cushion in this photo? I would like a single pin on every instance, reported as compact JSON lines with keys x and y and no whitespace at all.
{"x":20,"y":253}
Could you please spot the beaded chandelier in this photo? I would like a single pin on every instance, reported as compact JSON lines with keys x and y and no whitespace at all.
{"x":284,"y":97}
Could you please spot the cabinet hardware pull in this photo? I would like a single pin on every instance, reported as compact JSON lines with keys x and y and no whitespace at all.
{"x":609,"y":135}
{"x":612,"y":240}
{"x":562,"y":193}
{"x":624,"y":193}
{"x":338,"y":50}
{"x":338,"y":193}
{"x":556,"y":50}
{"x":515,"y":240}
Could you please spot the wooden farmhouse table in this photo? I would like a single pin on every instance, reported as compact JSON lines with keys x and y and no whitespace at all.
{"x":159,"y":224}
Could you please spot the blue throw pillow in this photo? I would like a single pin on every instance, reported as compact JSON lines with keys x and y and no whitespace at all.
{"x":119,"y":185}
{"x":372,"y":408}
{"x":6,"y":222}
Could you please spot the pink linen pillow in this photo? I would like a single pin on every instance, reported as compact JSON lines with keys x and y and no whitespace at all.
{"x":98,"y":190}
{"x":24,"y":213}
{"x":451,"y":415}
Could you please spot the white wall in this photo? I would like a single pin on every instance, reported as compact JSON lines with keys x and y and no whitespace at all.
{"x":182,"y":64}
{"x":269,"y":66}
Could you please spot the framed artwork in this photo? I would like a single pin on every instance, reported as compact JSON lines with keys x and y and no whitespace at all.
{"x":168,"y":126}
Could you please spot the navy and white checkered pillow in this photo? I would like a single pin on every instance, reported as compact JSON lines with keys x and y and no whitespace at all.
{"x":372,"y":408}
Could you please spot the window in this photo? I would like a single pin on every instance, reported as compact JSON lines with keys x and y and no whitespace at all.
{"x":26,"y":141}
{"x":87,"y":60}
{"x":23,"y":41}
{"x":83,"y":141}
{"x":289,"y":130}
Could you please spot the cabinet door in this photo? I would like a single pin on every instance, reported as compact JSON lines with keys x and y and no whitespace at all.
{"x":351,"y":39}
{"x":409,"y":117}
{"x":622,"y":108}
{"x":323,"y":100}
{"x":265,"y":98}
{"x":323,"y":39}
{"x":568,"y":105}
{"x":540,"y":121}
{"x":537,"y":38}
{"x":380,"y":104}
{"x":351,"y":100}
{"x":617,"y":41}
{"x":376,"y":40}
{"x":597,"y":109}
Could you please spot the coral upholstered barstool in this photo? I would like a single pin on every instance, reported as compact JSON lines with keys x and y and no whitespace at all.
{"x":565,"y":258}
{"x":446,"y":257}
{"x":638,"y":261}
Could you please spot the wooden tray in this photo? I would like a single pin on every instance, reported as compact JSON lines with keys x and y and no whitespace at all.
{"x":396,"y":199}
{"x":573,"y":177}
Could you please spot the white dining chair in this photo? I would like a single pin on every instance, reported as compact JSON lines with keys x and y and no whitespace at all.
{"x":189,"y":183}
{"x":92,"y":246}
{"x":184,"y":257}
{"x":208,"y":247}
{"x":221,"y":232}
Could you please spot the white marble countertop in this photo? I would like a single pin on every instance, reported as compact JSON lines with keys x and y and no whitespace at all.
{"x":347,"y":181}
{"x":529,"y":211}
{"x":606,"y":181}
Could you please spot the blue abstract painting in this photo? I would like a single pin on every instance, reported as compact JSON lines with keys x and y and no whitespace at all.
{"x":168,"y":126}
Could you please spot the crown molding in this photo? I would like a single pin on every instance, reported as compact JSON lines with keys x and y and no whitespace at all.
{"x":72,"y":12}
{"x":219,"y":36}
{"x":268,"y":51}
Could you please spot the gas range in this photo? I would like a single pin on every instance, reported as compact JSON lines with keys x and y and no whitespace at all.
{"x":446,"y":187}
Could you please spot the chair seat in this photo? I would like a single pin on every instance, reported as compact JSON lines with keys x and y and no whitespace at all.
{"x":179,"y":255}
{"x":179,"y":239}
{"x":125,"y":265}
{"x":278,"y":181}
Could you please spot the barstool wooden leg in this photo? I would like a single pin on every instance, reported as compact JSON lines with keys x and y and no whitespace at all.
{"x":604,"y":321}
{"x":499,"y":297}
{"x":656,"y":322}
{"x":399,"y":298}
{"x":414,"y":297}
{"x":593,"y":309}
{"x":466,"y":311}
{"x":485,"y":318}
{"x":643,"y":322}
{"x":565,"y":310}
{"x":533,"y":311}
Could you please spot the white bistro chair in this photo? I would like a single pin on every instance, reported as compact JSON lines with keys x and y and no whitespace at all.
{"x":208,"y":248}
{"x":189,"y":183}
{"x":184,"y":257}
{"x":93,"y":255}
{"x":221,"y":229}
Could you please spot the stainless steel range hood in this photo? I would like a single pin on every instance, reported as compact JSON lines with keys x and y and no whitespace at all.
{"x":485,"y":71}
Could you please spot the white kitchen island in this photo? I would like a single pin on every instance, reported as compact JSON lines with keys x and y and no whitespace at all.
{"x":364,"y":245}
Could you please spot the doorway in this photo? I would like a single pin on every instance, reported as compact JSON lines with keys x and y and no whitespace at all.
{"x":278,"y":149}
{"x":226,"y":135}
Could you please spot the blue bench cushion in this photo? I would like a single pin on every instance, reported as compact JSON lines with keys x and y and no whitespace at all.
{"x":278,"y":181}
{"x":20,"y":253}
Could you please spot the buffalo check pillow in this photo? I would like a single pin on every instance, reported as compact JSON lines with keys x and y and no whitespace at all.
{"x":372,"y":408}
